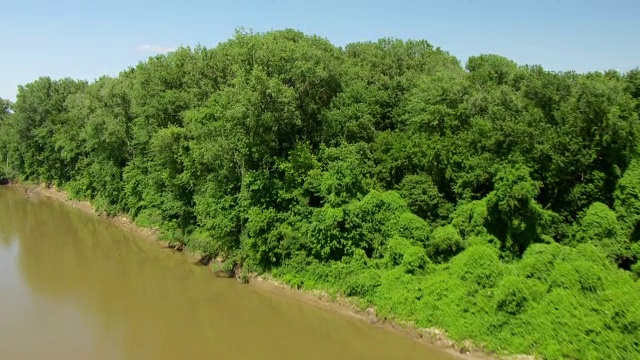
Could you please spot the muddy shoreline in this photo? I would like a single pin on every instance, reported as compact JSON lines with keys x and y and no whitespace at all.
{"x":432,"y":337}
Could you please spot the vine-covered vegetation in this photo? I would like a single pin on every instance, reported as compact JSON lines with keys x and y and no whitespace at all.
{"x":496,"y":201}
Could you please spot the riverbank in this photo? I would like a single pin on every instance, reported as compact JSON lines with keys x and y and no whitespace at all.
{"x":432,"y":337}
{"x":428,"y":336}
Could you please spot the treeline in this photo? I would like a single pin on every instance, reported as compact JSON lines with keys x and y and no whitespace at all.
{"x":499,"y":202}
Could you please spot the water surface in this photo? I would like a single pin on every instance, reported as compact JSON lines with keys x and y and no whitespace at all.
{"x":74,"y":286}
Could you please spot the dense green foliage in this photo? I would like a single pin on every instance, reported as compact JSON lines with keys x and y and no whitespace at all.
{"x":499,"y":202}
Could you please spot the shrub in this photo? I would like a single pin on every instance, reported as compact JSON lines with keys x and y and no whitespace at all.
{"x":479,"y":266}
{"x":410,"y":226}
{"x":414,"y":260}
{"x":362,"y":284}
{"x":538,"y":261}
{"x":470,"y":218}
{"x":445,"y":242}
{"x":627,"y":197}
{"x":512,"y":295}
{"x":423,"y":198}
{"x":600,"y":226}
{"x":577,"y":276}
{"x":410,"y":257}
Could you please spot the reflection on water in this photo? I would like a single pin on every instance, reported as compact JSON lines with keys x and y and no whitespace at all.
{"x":73,"y":286}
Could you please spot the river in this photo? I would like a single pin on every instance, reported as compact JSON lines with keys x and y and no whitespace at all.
{"x":76,"y":286}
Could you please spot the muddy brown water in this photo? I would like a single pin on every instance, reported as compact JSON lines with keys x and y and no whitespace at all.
{"x":75,"y":286}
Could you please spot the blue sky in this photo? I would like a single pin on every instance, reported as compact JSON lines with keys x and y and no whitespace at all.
{"x":86,"y":39}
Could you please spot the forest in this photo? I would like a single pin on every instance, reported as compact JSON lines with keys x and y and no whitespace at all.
{"x":499,"y":202}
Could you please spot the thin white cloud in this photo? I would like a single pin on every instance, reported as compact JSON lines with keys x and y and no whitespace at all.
{"x":155,"y":48}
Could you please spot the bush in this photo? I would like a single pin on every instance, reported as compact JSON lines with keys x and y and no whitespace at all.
{"x":263,"y":238}
{"x":414,"y":260}
{"x":400,"y":252}
{"x":362,"y":284}
{"x":635,"y":269}
{"x":538,"y":261}
{"x":478,"y":266}
{"x":445,"y":242}
{"x":363,"y":225}
{"x":577,"y":276}
{"x":328,"y":241}
{"x":627,"y":197}
{"x":201,"y":241}
{"x":470,"y":218}
{"x":599,"y":225}
{"x":512,"y":295}
{"x":367,"y":222}
{"x":410,"y":226}
{"x":424,"y":199}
